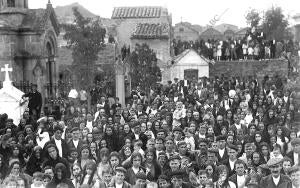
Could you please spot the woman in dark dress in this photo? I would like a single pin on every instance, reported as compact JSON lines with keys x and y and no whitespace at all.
{"x":35,"y":161}
{"x":60,"y":177}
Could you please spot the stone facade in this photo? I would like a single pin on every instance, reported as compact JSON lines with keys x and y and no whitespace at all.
{"x":28,"y":43}
{"x":127,"y":20}
{"x":159,"y":46}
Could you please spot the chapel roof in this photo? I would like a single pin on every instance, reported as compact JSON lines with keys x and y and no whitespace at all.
{"x":179,"y":57}
{"x":137,"y":12}
{"x":151,"y":31}
{"x":36,"y":19}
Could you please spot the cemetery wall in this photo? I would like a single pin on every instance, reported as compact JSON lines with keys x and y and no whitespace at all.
{"x":250,"y":68}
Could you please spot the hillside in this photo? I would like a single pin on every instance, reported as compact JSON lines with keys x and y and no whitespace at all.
{"x":65,"y":13}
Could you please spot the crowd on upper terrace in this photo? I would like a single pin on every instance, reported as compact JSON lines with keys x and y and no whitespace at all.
{"x":253,"y":46}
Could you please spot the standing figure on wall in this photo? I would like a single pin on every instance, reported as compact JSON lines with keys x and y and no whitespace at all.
{"x":35,"y":101}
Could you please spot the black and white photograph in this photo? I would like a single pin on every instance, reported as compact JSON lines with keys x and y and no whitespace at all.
{"x":149,"y":94}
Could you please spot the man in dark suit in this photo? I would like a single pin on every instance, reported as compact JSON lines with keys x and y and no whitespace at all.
{"x":61,"y":144}
{"x":75,"y":142}
{"x":275,"y":179}
{"x":219,"y":124}
{"x":232,"y":151}
{"x":138,"y":135}
{"x":218,"y":109}
{"x":295,"y":154}
{"x":35,"y":101}
{"x":222,"y":151}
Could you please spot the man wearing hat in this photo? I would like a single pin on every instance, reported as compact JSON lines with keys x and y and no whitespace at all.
{"x":35,"y":101}
{"x":60,"y":143}
{"x":295,"y":154}
{"x":294,"y":173}
{"x":222,"y":153}
{"x":75,"y":142}
{"x":275,"y":179}
{"x":174,"y":163}
{"x":120,"y":178}
{"x":178,"y":133}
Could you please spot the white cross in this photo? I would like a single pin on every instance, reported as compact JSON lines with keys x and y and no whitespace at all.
{"x":6,"y":70}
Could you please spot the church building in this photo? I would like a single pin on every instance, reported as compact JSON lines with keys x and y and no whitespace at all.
{"x":150,"y":25}
{"x":28,"y":43}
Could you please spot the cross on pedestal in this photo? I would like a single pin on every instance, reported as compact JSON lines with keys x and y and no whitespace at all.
{"x":6,"y":70}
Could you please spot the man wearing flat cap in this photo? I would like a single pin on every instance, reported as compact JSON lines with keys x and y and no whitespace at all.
{"x":295,"y":154}
{"x":222,"y":153}
{"x":275,"y":179}
{"x":75,"y":142}
{"x":294,"y":173}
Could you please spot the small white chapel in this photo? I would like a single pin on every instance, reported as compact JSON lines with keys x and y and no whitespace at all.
{"x":188,"y":65}
{"x":11,"y":101}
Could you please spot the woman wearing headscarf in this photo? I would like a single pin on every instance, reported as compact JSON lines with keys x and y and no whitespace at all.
{"x":35,"y":161}
{"x":60,"y":173}
{"x":52,"y":158}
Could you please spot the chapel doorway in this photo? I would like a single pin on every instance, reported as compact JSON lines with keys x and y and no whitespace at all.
{"x":191,"y":74}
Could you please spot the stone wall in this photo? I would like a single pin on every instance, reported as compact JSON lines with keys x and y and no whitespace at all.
{"x":250,"y":68}
{"x":161,"y":47}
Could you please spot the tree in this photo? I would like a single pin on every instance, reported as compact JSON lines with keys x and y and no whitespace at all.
{"x":253,"y":18}
{"x":275,"y":24}
{"x":86,"y":38}
{"x":143,"y":67}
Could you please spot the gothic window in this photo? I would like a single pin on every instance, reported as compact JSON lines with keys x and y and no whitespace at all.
{"x":11,"y":3}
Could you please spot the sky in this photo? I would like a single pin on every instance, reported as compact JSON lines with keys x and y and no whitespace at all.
{"x":193,"y":11}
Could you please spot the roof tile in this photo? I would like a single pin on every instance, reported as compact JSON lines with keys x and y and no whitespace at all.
{"x":136,"y":12}
{"x":151,"y":31}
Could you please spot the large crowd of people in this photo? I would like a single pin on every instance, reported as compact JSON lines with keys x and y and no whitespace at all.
{"x":253,"y":46}
{"x":214,"y":133}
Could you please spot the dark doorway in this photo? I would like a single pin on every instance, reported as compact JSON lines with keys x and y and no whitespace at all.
{"x":191,"y":74}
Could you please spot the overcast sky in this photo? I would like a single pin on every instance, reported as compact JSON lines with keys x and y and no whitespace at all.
{"x":194,"y":11}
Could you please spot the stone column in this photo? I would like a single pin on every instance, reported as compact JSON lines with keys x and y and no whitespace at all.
{"x":120,"y":82}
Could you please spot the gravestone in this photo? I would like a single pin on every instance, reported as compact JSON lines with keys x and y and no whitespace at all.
{"x":11,"y":101}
